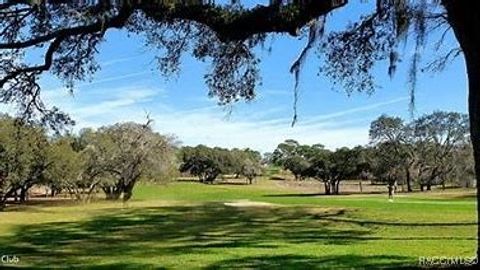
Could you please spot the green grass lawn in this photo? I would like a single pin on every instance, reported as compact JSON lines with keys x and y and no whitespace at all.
{"x":189,"y":226}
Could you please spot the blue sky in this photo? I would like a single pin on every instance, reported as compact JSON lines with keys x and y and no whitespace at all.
{"x":129,"y":86}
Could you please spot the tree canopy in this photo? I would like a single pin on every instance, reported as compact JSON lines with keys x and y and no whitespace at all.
{"x":113,"y":158}
{"x":224,"y":33}
{"x":207,"y":163}
{"x":69,"y":33}
{"x":427,"y":151}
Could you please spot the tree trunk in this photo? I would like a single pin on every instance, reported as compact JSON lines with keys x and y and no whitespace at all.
{"x":408,"y":179}
{"x":332,"y":187}
{"x":128,"y":189}
{"x":112,"y":193}
{"x":327,"y":187}
{"x":429,"y":186}
{"x":464,"y":18}
{"x":23,"y":194}
{"x":3,"y":199}
{"x":127,"y":194}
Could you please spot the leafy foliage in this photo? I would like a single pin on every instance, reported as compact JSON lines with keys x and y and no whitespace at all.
{"x":351,"y":54}
{"x":317,"y":162}
{"x":208,"y":163}
{"x":425,"y":149}
{"x":127,"y":151}
{"x":114,"y":158}
{"x":22,"y":157}
{"x":69,"y":34}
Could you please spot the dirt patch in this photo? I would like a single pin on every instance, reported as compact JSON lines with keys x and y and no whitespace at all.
{"x":248,"y":203}
{"x":346,"y":187}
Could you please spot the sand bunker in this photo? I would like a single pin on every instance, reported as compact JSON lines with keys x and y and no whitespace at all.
{"x":248,"y":203}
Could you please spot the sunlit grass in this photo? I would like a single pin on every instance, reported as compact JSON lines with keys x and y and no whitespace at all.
{"x":187,"y":225}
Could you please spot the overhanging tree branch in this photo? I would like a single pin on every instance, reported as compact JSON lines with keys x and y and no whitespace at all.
{"x":224,"y":33}
{"x":229,"y":25}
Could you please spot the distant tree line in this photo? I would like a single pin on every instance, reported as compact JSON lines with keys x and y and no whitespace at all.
{"x":434,"y":149}
{"x":111,"y":159}
{"x":208,"y":163}
{"x":431,"y":150}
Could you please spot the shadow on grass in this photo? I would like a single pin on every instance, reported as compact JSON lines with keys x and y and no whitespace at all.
{"x":308,"y":262}
{"x":126,"y":235}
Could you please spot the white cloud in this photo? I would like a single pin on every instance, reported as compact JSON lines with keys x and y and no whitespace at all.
{"x":211,"y":129}
{"x":118,"y":60}
{"x":210,"y":125}
{"x":95,"y":107}
{"x":115,"y":78}
{"x":356,"y":110}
